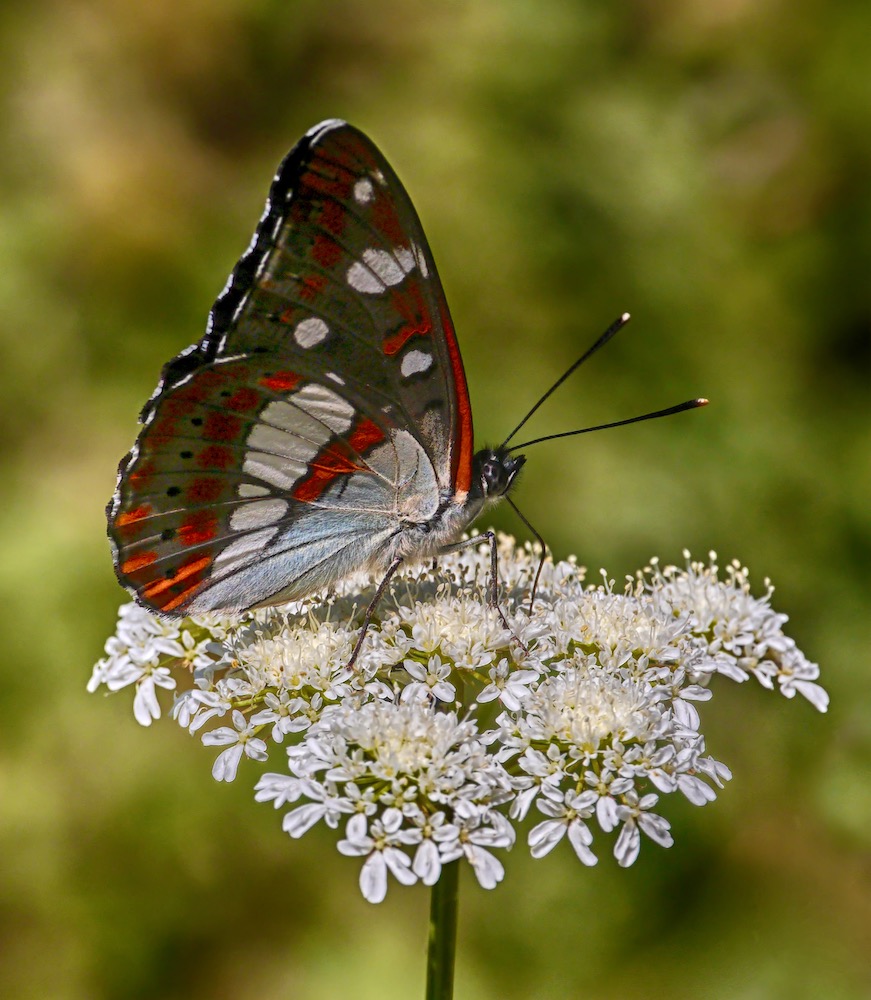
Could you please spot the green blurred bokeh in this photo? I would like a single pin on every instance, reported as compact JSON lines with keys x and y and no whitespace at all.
{"x":705,"y":164}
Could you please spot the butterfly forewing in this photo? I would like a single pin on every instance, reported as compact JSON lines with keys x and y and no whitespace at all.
{"x":325,"y":404}
{"x":344,"y":274}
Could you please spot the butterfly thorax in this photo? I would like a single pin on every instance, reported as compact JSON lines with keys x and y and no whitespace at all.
{"x":493,"y":473}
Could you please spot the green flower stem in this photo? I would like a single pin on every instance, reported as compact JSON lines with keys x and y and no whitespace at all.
{"x":442,"y":948}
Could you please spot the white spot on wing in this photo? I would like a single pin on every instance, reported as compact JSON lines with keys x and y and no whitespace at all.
{"x":336,"y":378}
{"x":415,"y":362}
{"x":420,"y":259}
{"x":362,"y":279}
{"x":250,"y":490}
{"x":275,"y":469}
{"x":325,"y":405}
{"x":278,"y":441}
{"x":406,"y":260}
{"x":385,"y":265}
{"x":310,"y":332}
{"x":258,"y":514}
{"x":245,"y":546}
{"x":363,"y":191}
{"x":291,"y":432}
{"x":380,"y":268}
{"x":306,"y":413}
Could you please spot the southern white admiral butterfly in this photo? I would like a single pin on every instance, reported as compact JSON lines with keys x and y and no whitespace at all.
{"x":322,"y":425}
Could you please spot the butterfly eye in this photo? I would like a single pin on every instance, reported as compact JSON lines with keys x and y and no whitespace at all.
{"x":496,"y":470}
{"x":492,"y":473}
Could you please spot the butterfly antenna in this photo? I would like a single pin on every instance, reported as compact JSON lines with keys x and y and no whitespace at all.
{"x":617,"y":325}
{"x":690,"y":404}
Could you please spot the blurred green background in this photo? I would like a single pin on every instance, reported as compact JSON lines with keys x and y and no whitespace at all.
{"x":705,"y":164}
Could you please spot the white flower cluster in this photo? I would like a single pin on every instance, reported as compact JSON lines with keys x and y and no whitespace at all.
{"x":449,"y":728}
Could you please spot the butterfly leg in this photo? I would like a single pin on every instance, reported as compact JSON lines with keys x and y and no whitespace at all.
{"x":370,"y":611}
{"x":493,"y":590}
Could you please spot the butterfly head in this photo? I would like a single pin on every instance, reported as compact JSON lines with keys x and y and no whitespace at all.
{"x":493,"y":472}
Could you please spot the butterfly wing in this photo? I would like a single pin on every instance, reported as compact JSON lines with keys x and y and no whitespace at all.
{"x":339,"y":270}
{"x":325,"y":404}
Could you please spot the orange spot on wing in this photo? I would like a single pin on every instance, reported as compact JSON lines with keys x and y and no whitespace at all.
{"x":205,"y":489}
{"x":331,"y":463}
{"x":312,"y":286}
{"x":326,"y":251}
{"x":201,"y":526}
{"x":394,"y":344}
{"x":414,"y":312}
{"x":131,"y":516}
{"x":338,"y":459}
{"x":138,"y":562}
{"x":281,"y":381}
{"x":461,"y":446}
{"x":243,"y":400}
{"x":194,"y":568}
{"x":386,"y":220}
{"x":365,"y":435}
{"x":222,"y":426}
{"x":182,"y":597}
{"x":216,"y":456}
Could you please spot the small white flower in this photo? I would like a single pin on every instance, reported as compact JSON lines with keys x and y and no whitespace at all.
{"x":325,"y":805}
{"x":636,"y":819}
{"x":146,"y":707}
{"x":697,"y":791}
{"x":438,"y":837}
{"x":569,"y":810}
{"x":743,"y":635}
{"x":241,"y":740}
{"x":191,"y":653}
{"x":287,"y":713}
{"x":432,"y":679}
{"x":381,"y":845}
{"x":279,"y":789}
{"x":509,"y":686}
{"x":194,"y":708}
{"x":480,"y":831}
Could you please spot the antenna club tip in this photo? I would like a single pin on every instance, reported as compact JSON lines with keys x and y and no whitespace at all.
{"x":625,"y":317}
{"x":701,"y":401}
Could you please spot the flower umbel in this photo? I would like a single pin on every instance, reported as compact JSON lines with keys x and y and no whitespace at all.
{"x":450,"y":729}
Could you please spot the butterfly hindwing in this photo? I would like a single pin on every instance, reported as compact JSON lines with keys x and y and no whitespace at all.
{"x":236,"y":460}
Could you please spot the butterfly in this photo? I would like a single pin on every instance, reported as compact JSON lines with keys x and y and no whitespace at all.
{"x":322,"y":425}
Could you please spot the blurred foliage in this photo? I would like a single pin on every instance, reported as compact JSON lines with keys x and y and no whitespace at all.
{"x":702,"y":163}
